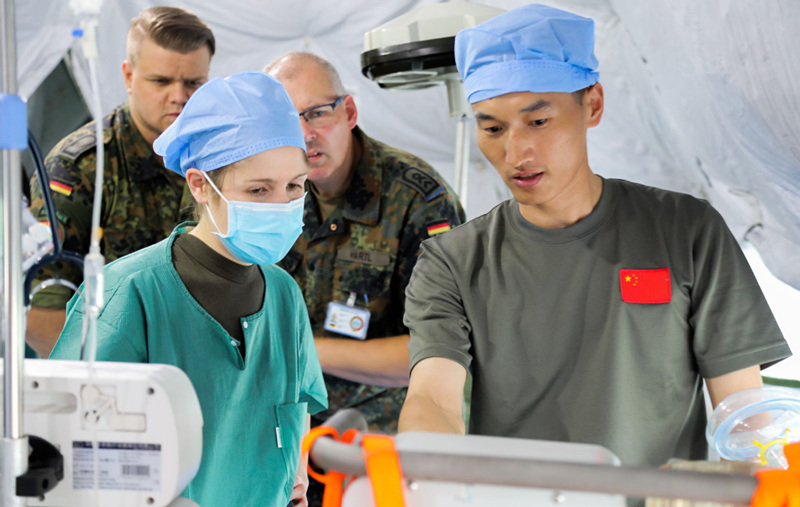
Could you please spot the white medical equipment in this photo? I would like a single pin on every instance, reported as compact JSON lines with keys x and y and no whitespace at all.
{"x":144,"y":419}
{"x":753,"y":425}
{"x":79,"y":434}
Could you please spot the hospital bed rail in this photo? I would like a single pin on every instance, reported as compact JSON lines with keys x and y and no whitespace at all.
{"x":631,"y":481}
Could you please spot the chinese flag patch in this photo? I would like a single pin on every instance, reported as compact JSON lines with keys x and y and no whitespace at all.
{"x":645,"y":285}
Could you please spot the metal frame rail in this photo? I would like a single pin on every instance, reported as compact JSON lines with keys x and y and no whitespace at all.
{"x":632,"y":481}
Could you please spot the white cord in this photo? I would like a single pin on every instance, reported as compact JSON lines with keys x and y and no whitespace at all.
{"x":88,"y":13}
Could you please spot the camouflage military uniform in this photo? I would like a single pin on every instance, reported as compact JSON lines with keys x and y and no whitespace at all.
{"x":368,"y":246}
{"x":142,"y":200}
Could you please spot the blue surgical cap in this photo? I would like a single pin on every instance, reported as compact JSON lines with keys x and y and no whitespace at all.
{"x":228,"y":120}
{"x":533,"y":48}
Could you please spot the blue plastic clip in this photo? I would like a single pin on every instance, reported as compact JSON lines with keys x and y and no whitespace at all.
{"x":13,"y":123}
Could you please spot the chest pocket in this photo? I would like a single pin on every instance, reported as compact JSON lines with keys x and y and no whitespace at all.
{"x":362,"y":279}
{"x":374,"y":282}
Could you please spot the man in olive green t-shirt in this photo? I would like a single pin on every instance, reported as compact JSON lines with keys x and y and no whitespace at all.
{"x":587,"y":309}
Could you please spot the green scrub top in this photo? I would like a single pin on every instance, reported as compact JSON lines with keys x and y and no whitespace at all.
{"x":150,"y":317}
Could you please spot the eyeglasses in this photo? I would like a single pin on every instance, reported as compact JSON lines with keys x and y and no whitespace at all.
{"x":320,"y":116}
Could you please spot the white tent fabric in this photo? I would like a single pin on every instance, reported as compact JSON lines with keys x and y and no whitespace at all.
{"x":700,"y":94}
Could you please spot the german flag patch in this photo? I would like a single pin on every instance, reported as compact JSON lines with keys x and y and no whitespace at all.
{"x":61,"y":188}
{"x":438,"y":228}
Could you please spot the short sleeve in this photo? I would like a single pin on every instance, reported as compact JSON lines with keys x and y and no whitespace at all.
{"x":112,"y":343}
{"x":733,"y":326}
{"x":435,"y":313}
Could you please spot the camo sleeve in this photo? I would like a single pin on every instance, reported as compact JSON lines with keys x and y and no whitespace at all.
{"x":427,"y":217}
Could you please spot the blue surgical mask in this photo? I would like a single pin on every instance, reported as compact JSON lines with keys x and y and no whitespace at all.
{"x":260,"y":233}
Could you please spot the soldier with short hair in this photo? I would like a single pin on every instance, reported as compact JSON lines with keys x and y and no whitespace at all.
{"x":169,"y":52}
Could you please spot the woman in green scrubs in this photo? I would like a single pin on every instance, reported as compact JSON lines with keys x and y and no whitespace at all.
{"x":209,"y":300}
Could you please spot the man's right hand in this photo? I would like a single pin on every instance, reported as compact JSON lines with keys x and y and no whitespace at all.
{"x":44,"y":327}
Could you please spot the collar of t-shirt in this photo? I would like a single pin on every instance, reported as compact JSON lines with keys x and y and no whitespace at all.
{"x":225,"y":289}
{"x":584,"y":227}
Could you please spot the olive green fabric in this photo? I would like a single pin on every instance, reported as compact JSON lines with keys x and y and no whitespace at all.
{"x":784,"y":382}
{"x":227,"y":290}
{"x":142,"y":200}
{"x":368,"y":245}
{"x":150,"y":317}
{"x":555,"y":354}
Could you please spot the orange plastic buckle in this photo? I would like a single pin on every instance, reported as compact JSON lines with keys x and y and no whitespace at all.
{"x":333,"y":481}
{"x":780,"y":488}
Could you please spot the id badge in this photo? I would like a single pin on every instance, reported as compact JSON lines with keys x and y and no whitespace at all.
{"x":347,"y":319}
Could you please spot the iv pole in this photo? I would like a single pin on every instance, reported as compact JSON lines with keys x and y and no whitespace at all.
{"x":15,"y":444}
{"x":457,"y":100}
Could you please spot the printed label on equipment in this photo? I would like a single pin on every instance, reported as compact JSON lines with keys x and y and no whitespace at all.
{"x":123,"y":466}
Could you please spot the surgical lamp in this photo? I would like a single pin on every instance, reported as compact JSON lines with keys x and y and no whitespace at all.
{"x":416,"y":51}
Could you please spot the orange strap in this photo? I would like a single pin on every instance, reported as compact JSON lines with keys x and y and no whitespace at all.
{"x":780,"y":488}
{"x":333,"y":481}
{"x":383,"y":470}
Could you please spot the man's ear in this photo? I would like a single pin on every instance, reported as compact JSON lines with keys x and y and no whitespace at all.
{"x":196,"y":181}
{"x":352,"y":112}
{"x":593,"y":103}
{"x":127,"y":75}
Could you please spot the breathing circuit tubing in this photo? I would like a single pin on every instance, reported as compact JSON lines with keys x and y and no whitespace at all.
{"x":58,"y":253}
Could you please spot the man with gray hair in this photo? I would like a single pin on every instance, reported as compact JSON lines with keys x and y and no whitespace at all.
{"x":368,"y":208}
{"x":169,"y":52}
